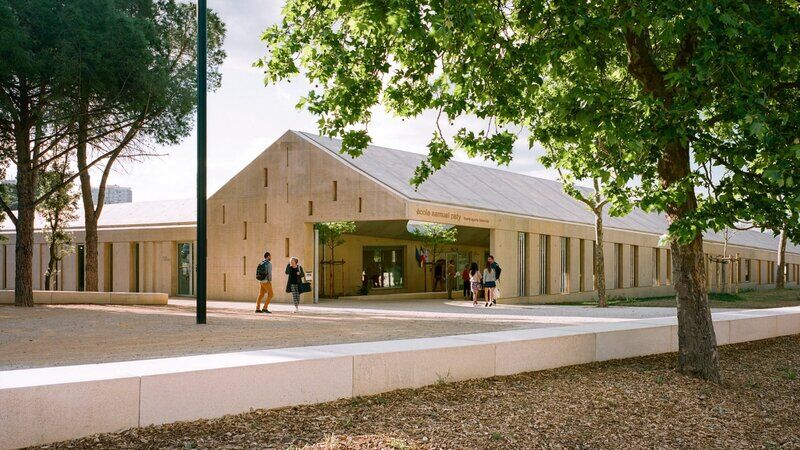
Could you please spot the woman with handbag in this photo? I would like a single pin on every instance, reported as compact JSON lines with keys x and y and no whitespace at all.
{"x":296,"y":281}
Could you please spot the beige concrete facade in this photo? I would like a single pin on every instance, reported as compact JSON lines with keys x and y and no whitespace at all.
{"x":295,"y":183}
{"x":133,"y":259}
{"x":274,"y":202}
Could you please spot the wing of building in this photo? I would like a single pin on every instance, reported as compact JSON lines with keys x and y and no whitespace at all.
{"x":542,"y":238}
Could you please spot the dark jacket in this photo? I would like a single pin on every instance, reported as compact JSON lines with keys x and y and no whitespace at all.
{"x":497,"y":269}
{"x":301,"y":275}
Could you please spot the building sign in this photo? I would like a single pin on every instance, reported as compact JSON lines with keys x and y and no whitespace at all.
{"x":451,"y":216}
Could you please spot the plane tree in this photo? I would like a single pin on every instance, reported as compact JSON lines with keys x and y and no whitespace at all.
{"x":673,"y":72}
{"x":765,"y":186}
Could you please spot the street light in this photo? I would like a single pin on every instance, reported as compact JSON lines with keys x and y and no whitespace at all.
{"x":200,"y":255}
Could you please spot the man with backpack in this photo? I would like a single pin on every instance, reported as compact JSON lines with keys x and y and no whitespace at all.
{"x":264,"y":277}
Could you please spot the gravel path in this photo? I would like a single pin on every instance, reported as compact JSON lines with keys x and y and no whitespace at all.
{"x":84,"y":334}
{"x":636,"y":403}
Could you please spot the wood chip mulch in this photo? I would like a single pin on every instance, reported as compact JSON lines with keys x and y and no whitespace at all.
{"x":635,"y":403}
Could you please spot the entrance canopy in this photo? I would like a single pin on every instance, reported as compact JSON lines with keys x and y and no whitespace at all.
{"x":398,"y":229}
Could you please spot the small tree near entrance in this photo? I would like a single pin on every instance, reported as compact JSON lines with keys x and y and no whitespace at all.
{"x":434,"y":236}
{"x":57,"y":210}
{"x":331,"y":235}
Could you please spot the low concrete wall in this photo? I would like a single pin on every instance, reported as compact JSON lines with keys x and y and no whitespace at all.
{"x":90,"y":298}
{"x":57,"y":403}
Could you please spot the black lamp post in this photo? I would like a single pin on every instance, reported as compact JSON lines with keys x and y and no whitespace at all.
{"x":200,"y":255}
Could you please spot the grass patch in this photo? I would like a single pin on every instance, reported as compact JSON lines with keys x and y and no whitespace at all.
{"x":746,"y":299}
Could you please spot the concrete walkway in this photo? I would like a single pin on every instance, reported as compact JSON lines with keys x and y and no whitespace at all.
{"x":551,"y":314}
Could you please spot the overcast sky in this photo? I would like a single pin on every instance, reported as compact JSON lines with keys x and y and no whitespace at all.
{"x":244,"y":117}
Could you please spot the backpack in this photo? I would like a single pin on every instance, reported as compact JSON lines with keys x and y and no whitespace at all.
{"x":261,"y":271}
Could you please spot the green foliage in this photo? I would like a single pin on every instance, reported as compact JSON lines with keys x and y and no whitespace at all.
{"x":435,"y":235}
{"x":331,"y":233}
{"x":124,"y":68}
{"x":58,"y":209}
{"x":650,"y":81}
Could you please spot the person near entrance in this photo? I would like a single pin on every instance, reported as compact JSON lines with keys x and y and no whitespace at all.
{"x":475,"y":279}
{"x":491,"y":263}
{"x":264,"y":277}
{"x":489,"y":283}
{"x":465,"y":279}
{"x":438,"y":275}
{"x":451,"y":278}
{"x":295,"y":282}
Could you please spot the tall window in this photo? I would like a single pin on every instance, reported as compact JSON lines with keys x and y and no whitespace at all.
{"x":544,"y":264}
{"x":266,"y":177}
{"x":594,"y":263}
{"x":656,"y":267}
{"x":335,"y":191}
{"x":310,"y":208}
{"x":635,"y":266}
{"x":244,"y":231}
{"x":223,"y":214}
{"x":383,"y":267}
{"x":564,"y":265}
{"x":360,"y":204}
{"x":265,"y":213}
{"x":581,"y":266}
{"x":620,"y":266}
{"x":134,"y":281}
{"x":669,"y":267}
{"x":286,"y":244}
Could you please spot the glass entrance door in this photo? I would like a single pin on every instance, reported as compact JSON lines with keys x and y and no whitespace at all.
{"x":185,"y":268}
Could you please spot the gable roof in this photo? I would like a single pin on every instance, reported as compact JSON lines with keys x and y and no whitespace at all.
{"x":462,"y":184}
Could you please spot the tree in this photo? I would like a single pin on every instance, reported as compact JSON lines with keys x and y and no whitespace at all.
{"x":36,"y":117}
{"x":766,"y":194}
{"x":71,"y":75}
{"x":57,"y":210}
{"x":672,"y":72}
{"x":159,"y":108}
{"x":433,"y":236}
{"x":331,"y":235}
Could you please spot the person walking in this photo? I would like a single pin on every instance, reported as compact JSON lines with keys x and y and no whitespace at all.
{"x":465,"y":280}
{"x":264,"y":277}
{"x":489,"y":283}
{"x":492,"y":263}
{"x":451,"y":278}
{"x":438,"y":275}
{"x":475,"y":278}
{"x":296,"y":277}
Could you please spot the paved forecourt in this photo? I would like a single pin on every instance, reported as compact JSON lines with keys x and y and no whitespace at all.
{"x":57,"y":403}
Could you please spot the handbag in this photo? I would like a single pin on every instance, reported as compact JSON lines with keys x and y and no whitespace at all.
{"x":304,"y":286}
{"x":496,"y":293}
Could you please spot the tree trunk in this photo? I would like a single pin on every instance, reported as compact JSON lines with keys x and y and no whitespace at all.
{"x":52,"y":268}
{"x":780,"y":277}
{"x":599,"y":260}
{"x":91,"y":264}
{"x":697,"y":344}
{"x":26,"y":212}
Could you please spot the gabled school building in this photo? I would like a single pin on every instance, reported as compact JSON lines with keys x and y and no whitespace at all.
{"x":542,"y":238}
